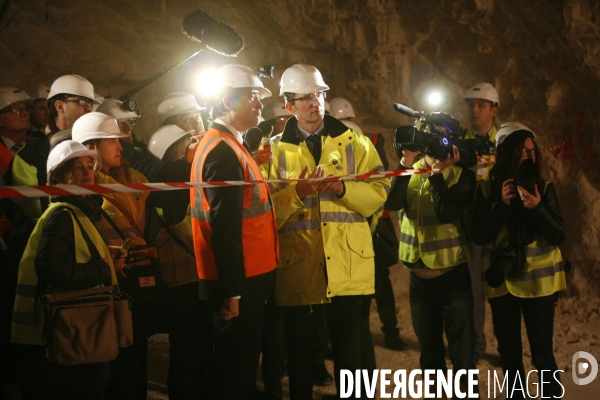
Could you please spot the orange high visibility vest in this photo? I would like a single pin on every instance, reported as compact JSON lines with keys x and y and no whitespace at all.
{"x":259,"y":231}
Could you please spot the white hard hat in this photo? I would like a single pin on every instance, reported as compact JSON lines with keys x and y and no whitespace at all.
{"x":485,"y":91}
{"x":95,"y":125}
{"x":39,"y":91}
{"x":341,"y":108}
{"x":274,"y":110}
{"x":510,"y":127}
{"x":352,"y":126}
{"x":302,"y":78}
{"x":73,"y":84}
{"x":11,"y":95}
{"x":112,"y":107}
{"x":65,"y":151}
{"x":164,"y":138}
{"x":239,"y":76}
{"x":177,"y":103}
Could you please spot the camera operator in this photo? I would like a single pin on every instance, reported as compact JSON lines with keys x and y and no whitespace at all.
{"x":435,"y":248}
{"x":517,"y":219}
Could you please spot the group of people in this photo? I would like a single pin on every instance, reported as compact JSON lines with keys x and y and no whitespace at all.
{"x":268,"y":266}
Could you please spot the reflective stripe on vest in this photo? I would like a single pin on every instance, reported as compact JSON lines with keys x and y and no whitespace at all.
{"x":26,"y":324}
{"x":543,"y":273}
{"x":421,"y":234}
{"x":259,"y":232}
{"x":177,"y":267}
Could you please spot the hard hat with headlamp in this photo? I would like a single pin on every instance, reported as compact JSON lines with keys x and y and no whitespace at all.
{"x":113,"y":108}
{"x":302,"y":78}
{"x":177,"y":103}
{"x":237,"y":76}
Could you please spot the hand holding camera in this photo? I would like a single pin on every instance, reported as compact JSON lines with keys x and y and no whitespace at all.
{"x":530,"y":200}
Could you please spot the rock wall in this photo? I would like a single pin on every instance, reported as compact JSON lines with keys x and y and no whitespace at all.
{"x":542,"y":56}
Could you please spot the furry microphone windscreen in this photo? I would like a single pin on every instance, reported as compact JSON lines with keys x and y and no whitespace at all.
{"x":216,"y":35}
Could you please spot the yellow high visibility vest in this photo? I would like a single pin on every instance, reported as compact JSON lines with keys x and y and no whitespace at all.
{"x":543,"y":273}
{"x":483,"y":170}
{"x":422,"y":236}
{"x":26,"y":322}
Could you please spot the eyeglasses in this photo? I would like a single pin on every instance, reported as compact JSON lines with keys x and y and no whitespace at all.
{"x":310,"y":97}
{"x":18,"y":110}
{"x":126,"y":122}
{"x":255,"y":95}
{"x":527,"y":152}
{"x":82,"y":102}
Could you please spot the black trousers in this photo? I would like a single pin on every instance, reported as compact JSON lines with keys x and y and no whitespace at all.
{"x":272,"y":350}
{"x":190,"y":344}
{"x":386,"y":304}
{"x":237,"y":345}
{"x":301,"y":327}
{"x":351,"y":342}
{"x":538,"y":314}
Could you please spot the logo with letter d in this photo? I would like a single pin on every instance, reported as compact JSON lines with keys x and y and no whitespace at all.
{"x":583,"y":366}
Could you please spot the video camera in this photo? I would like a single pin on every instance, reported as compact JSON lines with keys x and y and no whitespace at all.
{"x":432,"y":141}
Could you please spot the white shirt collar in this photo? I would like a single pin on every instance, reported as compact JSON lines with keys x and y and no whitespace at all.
{"x":10,"y":144}
{"x":305,"y":134}
{"x":237,"y":134}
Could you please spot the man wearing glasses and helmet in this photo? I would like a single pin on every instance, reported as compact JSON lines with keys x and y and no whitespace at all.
{"x":326,"y":250}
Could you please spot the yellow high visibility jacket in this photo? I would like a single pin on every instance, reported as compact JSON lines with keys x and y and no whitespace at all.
{"x":324,"y":231}
{"x":26,"y":323}
{"x":543,"y":273}
{"x":133,"y":203}
{"x":483,"y":170}
{"x":177,"y":267}
{"x":421,"y":234}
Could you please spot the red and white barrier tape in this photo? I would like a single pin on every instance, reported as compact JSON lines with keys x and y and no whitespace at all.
{"x":68,"y":190}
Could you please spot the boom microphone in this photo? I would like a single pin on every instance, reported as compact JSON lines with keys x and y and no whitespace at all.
{"x":409,"y":112}
{"x":215,"y":35}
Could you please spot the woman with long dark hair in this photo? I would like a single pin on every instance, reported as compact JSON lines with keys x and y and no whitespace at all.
{"x":518,"y":222}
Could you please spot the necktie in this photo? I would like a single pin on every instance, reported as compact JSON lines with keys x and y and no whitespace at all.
{"x":314,"y":143}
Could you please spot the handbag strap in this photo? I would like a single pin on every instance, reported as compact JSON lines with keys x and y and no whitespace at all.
{"x":112,"y":224}
{"x":124,"y":212}
{"x":176,"y":238}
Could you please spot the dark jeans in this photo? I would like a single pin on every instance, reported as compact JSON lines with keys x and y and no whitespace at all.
{"x":351,"y":342}
{"x":301,"y":326}
{"x":190,"y":346}
{"x":444,"y":303}
{"x":386,"y":304}
{"x":538,"y":314}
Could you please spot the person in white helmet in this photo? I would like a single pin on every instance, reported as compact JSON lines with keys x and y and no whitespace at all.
{"x":181,"y":109}
{"x":234,"y":232}
{"x":14,"y":123}
{"x":70,"y":97}
{"x":58,"y":258}
{"x":39,"y":112}
{"x":518,"y":222}
{"x":186,"y":316}
{"x":124,"y":215}
{"x":342,"y":109}
{"x":323,"y":229}
{"x":483,"y":103}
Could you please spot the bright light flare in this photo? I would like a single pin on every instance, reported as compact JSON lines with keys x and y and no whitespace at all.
{"x":209,"y":83}
{"x":436,"y":99}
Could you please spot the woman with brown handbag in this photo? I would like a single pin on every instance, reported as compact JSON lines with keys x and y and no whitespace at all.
{"x":58,"y":259}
